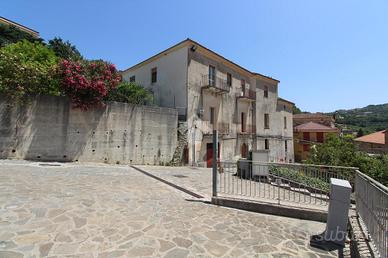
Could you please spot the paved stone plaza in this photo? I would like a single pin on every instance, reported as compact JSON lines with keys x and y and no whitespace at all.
{"x":92,"y":210}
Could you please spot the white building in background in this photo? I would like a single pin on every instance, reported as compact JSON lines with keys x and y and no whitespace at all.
{"x":211,"y":92}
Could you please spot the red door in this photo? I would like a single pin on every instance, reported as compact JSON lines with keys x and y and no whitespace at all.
{"x":209,"y":154}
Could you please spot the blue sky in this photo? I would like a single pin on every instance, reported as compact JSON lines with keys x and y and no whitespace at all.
{"x":327,"y":55}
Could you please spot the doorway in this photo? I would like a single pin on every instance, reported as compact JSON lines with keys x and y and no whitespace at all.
{"x":209,"y":154}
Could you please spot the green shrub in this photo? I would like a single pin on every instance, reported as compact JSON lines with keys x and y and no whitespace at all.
{"x":27,"y":69}
{"x":10,"y":34}
{"x":299,"y":177}
{"x":130,"y":92}
{"x":64,"y":49}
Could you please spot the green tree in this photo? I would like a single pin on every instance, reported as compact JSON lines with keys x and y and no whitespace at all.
{"x":296,"y":110}
{"x":10,"y":34}
{"x":338,"y":151}
{"x":360,"y":132}
{"x":131,"y":93}
{"x":26,"y":69}
{"x":64,"y":49}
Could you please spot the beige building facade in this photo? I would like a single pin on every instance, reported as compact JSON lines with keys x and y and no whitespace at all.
{"x":211,"y":92}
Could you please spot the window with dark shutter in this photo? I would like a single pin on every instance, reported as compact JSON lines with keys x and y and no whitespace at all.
{"x":266,"y":144}
{"x":266,"y":121}
{"x":229,"y":79}
{"x":132,"y":79}
{"x":154,"y":75}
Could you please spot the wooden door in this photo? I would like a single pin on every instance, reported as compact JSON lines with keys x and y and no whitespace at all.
{"x":209,"y":154}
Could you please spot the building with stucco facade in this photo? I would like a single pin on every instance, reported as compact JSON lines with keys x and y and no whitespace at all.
{"x":212,"y":92}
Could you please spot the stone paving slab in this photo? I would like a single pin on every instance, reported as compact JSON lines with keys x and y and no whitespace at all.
{"x":92,"y":210}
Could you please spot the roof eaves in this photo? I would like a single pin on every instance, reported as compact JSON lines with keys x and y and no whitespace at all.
{"x":18,"y":24}
{"x":207,"y":49}
{"x":281,"y":99}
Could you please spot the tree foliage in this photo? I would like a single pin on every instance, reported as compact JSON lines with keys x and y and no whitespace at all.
{"x":26,"y":69}
{"x":342,"y":152}
{"x":64,"y":49}
{"x":87,"y":83}
{"x":131,"y":93}
{"x":296,"y":110}
{"x":10,"y":34}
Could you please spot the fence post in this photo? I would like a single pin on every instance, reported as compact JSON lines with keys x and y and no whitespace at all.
{"x":215,"y":161}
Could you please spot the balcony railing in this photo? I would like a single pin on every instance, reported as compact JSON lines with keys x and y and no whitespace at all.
{"x":248,"y":129}
{"x":222,"y":128}
{"x":247,"y":94}
{"x":214,"y":83}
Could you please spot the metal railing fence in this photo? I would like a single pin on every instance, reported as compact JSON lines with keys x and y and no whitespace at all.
{"x":372,"y":208}
{"x":284,"y":183}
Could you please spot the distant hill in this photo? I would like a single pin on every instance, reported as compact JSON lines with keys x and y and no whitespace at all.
{"x":370,"y":118}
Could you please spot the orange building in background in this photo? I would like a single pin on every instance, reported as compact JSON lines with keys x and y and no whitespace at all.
{"x":374,"y":143}
{"x":309,"y":130}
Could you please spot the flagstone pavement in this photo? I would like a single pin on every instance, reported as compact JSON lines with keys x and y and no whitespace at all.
{"x":95,"y":210}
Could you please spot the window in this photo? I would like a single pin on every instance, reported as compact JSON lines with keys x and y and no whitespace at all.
{"x":132,"y":79}
{"x":265,"y":91}
{"x":266,"y":144}
{"x":212,"y":115}
{"x":154,"y":75}
{"x":243,"y":85}
{"x":212,"y":75}
{"x":320,"y":137}
{"x":229,"y":79}
{"x":244,"y":150}
{"x":285,"y":122}
{"x":243,"y":119}
{"x":285,"y":146}
{"x":306,"y":136}
{"x":266,"y":121}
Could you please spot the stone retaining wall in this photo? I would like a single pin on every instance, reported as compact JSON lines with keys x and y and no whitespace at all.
{"x":48,"y":128}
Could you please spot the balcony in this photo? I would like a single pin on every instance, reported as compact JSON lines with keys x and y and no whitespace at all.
{"x":247,"y":95}
{"x":246,"y":130}
{"x":216,"y":84}
{"x":222,"y":128}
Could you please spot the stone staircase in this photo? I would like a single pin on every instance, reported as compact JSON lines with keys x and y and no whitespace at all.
{"x":177,"y":158}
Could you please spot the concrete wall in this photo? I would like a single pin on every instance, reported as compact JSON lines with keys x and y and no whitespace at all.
{"x":170,"y":88}
{"x":48,"y":128}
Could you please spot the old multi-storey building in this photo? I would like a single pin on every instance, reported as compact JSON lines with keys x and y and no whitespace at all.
{"x":212,"y":92}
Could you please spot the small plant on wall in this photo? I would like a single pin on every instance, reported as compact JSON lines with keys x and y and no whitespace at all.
{"x":87,"y":83}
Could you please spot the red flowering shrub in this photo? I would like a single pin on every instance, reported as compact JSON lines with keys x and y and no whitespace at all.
{"x":87,"y":83}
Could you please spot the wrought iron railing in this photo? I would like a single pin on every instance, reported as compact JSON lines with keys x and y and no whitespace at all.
{"x":215,"y":83}
{"x":247,"y":94}
{"x":372,"y":208}
{"x":283,"y":183}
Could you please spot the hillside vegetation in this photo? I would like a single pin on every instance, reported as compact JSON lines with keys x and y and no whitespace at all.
{"x":370,"y":118}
